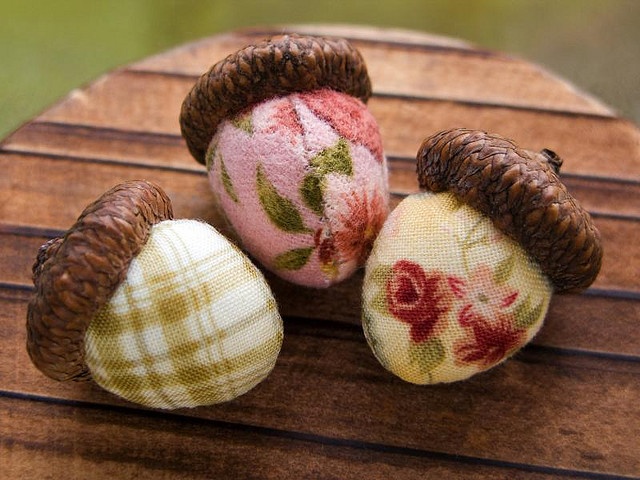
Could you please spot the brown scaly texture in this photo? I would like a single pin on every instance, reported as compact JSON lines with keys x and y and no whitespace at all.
{"x":76,"y":274}
{"x":523,"y":195}
{"x":276,"y":67}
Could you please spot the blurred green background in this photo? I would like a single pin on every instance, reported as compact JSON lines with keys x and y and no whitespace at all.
{"x":49,"y":47}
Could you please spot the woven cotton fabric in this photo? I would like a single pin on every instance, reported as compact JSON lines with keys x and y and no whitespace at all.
{"x":194,"y":323}
{"x":446,"y":295}
{"x":302,"y":180}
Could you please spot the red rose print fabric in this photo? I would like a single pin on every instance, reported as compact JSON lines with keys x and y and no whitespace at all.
{"x":446,"y":295}
{"x":417,"y":298}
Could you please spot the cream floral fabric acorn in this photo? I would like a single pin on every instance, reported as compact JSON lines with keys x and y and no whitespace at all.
{"x":294,"y":157}
{"x":461,"y":279}
{"x":164,"y":313}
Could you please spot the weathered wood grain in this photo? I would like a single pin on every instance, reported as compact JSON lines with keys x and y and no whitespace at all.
{"x":584,"y":141}
{"x":600,"y":194}
{"x":602,"y":322}
{"x":451,"y":70}
{"x":63,"y":191}
{"x":327,"y":383}
{"x":121,"y":444}
{"x":564,"y":407}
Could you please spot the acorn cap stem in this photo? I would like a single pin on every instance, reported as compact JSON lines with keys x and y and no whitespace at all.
{"x":521,"y":192}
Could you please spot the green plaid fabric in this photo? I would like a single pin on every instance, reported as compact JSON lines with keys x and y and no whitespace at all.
{"x":194,"y":323}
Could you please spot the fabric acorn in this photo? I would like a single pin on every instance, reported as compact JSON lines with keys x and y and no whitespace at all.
{"x":294,"y":157}
{"x":461,"y":275}
{"x":165,"y":313}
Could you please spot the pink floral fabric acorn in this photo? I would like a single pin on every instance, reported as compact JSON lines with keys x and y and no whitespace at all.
{"x":460,"y":277}
{"x":294,"y":157}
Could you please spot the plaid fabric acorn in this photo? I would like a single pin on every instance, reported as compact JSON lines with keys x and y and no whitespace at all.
{"x":165,"y":313}
{"x":190,"y":325}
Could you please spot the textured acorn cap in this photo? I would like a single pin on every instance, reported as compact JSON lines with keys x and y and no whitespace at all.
{"x":522,"y":193}
{"x":75,"y":275}
{"x":276,"y":67}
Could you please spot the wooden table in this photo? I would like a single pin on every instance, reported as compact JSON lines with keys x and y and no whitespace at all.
{"x":567,"y":405}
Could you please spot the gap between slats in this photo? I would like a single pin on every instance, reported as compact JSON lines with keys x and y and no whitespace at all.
{"x":415,"y":98}
{"x":21,"y":292}
{"x":318,"y":357}
{"x":199,"y":170}
{"x":103,"y":134}
{"x":412,"y":61}
{"x":311,"y":438}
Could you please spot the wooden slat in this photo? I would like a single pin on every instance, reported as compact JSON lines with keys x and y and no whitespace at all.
{"x":604,"y":194}
{"x":483,"y":76}
{"x":65,"y":186}
{"x":369,"y":34}
{"x":167,"y":151}
{"x":574,"y":322}
{"x":157,"y":150}
{"x":127,"y":444}
{"x":153,"y":103}
{"x":585,"y":140}
{"x":327,"y":383}
{"x":61,"y":185}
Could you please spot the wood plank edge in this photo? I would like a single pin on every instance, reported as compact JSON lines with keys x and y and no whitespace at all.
{"x":197,"y":170}
{"x":21,"y":292}
{"x":612,"y":293}
{"x":103,"y":133}
{"x":575,"y":113}
{"x":175,"y":140}
{"x":186,"y":416}
{"x":399,"y":38}
{"x":578,"y":352}
{"x":113,"y":133}
{"x":370,"y":34}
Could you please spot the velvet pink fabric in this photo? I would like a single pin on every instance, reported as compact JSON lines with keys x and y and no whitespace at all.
{"x":303,"y":181}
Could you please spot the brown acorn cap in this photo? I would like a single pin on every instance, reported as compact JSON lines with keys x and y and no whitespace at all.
{"x":276,"y":67}
{"x":521,"y":192}
{"x":76,"y":274}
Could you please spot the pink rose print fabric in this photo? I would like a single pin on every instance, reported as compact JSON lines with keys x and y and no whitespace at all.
{"x":445,"y":295}
{"x":302,"y":181}
{"x":490,"y":332}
